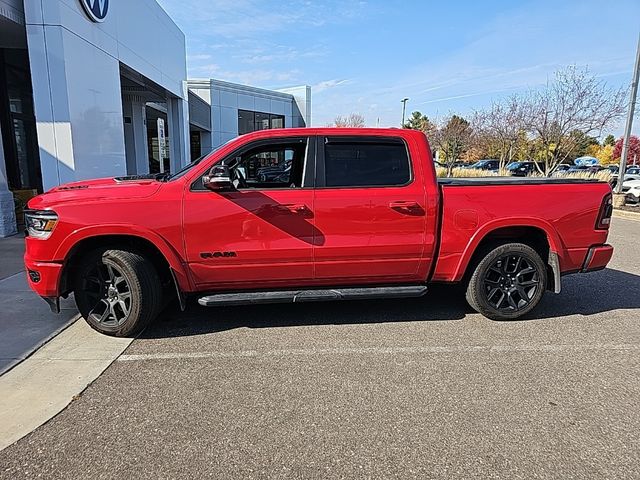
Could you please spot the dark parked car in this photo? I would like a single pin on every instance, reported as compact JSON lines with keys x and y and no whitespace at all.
{"x":593,"y":169}
{"x":491,"y":165}
{"x":523,"y":169}
{"x":562,"y":168}
{"x":270,"y":174}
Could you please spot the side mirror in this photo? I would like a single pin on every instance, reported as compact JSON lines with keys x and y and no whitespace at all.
{"x":218,"y":179}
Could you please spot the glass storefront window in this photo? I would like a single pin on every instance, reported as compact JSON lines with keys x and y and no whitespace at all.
{"x":262,"y":121}
{"x":246,"y":120}
{"x":249,"y":121}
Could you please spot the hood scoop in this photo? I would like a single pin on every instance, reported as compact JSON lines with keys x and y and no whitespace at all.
{"x":73,"y":187}
{"x":135,"y":178}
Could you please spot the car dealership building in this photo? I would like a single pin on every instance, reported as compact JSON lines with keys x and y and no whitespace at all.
{"x":94,"y":88}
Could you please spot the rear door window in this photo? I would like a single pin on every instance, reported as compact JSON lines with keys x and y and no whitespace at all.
{"x":365,"y":163}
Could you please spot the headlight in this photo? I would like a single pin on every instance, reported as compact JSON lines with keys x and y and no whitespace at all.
{"x":40,"y":223}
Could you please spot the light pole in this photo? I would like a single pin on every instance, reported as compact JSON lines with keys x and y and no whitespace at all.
{"x":404,"y":107}
{"x":627,"y":130}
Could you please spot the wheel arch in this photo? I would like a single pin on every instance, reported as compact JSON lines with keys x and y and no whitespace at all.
{"x":168,"y":262}
{"x":537,"y":234}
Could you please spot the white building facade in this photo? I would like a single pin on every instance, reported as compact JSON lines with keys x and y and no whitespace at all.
{"x":96,"y":88}
{"x":237,"y":109}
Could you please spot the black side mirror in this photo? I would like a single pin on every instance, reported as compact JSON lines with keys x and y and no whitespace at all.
{"x":218,"y":179}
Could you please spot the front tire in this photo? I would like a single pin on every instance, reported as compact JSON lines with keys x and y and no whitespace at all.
{"x":117,"y":292}
{"x":508,"y":282}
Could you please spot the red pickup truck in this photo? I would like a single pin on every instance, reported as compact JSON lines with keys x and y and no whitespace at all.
{"x":297,"y":215}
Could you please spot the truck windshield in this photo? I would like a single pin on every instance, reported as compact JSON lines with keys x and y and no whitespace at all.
{"x":186,"y":168}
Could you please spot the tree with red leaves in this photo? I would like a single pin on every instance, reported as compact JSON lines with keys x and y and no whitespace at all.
{"x":634,"y":150}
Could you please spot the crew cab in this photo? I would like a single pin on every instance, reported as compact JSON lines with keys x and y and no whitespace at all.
{"x":356,"y":214}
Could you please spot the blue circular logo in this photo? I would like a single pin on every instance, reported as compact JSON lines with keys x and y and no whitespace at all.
{"x":96,"y":10}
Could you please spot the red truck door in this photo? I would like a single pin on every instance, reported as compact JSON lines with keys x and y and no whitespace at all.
{"x":261,"y":232}
{"x":370,"y":210}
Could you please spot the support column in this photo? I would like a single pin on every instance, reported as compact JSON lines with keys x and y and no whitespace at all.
{"x":178,"y":116}
{"x":205,"y":142}
{"x":135,"y":134}
{"x":7,"y":205}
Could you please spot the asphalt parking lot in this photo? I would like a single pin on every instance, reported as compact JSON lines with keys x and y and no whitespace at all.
{"x":402,"y":388}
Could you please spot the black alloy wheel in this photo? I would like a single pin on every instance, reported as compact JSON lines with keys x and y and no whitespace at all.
{"x":108,"y":290}
{"x":118,"y":292}
{"x":510,"y":283}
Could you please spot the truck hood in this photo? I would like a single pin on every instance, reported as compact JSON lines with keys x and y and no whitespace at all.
{"x":98,"y":189}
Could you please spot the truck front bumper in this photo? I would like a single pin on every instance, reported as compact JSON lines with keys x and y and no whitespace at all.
{"x":597,"y":258}
{"x":44,"y":279}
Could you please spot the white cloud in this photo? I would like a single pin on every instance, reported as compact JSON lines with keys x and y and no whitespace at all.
{"x":328,"y":84}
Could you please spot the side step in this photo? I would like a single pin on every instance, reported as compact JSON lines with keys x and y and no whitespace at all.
{"x":295,"y":296}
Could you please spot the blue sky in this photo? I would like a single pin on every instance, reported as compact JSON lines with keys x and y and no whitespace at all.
{"x":365,"y":56}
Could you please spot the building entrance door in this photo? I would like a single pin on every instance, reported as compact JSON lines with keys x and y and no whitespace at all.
{"x":18,"y":123}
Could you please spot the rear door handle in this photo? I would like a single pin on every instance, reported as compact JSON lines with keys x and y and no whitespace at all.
{"x":410,"y":207}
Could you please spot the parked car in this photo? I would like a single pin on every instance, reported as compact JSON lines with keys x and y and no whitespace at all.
{"x":361,"y":217}
{"x":522,"y":169}
{"x":487,"y":164}
{"x":614,"y":179}
{"x":632,"y":190}
{"x":562,"y":168}
{"x":267,"y":174}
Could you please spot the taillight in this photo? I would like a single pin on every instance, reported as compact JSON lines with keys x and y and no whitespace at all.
{"x":606,"y":210}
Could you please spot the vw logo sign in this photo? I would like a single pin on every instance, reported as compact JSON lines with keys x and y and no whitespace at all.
{"x":96,"y":9}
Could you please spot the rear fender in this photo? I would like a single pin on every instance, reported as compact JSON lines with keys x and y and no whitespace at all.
{"x":555,"y":243}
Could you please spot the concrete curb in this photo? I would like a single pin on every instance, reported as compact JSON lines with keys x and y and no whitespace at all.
{"x":627,"y":215}
{"x":41,"y":386}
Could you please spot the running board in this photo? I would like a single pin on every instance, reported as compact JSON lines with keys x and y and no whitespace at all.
{"x":296,"y":296}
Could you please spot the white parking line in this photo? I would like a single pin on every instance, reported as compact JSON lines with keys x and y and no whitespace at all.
{"x":378,"y":351}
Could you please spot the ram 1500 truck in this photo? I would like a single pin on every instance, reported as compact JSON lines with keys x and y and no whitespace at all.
{"x":349,"y":214}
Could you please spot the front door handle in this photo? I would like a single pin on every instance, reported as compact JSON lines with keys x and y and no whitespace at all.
{"x":300,"y":208}
{"x":407,"y":207}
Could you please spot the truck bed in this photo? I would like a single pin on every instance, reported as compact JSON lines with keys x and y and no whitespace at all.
{"x":564,"y":210}
{"x":477,"y":181}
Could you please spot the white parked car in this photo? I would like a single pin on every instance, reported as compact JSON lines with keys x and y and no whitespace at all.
{"x":632,"y":190}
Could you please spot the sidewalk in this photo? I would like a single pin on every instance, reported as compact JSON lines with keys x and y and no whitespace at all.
{"x":25,"y":320}
{"x":11,"y":252}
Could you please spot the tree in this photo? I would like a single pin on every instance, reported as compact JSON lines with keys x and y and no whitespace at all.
{"x":609,"y":140}
{"x":634,"y":150}
{"x":579,"y":144}
{"x":604,"y":153}
{"x":575,"y":100}
{"x":418,"y":121}
{"x":354,"y":120}
{"x":452,"y":138}
{"x":499,"y":129}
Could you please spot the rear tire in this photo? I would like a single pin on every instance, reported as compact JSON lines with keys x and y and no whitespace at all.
{"x":508,"y":282}
{"x":117,"y":292}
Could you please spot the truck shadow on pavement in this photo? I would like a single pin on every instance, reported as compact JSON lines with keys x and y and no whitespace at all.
{"x":585,"y":294}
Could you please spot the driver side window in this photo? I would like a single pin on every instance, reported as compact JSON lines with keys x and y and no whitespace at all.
{"x":268,"y":166}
